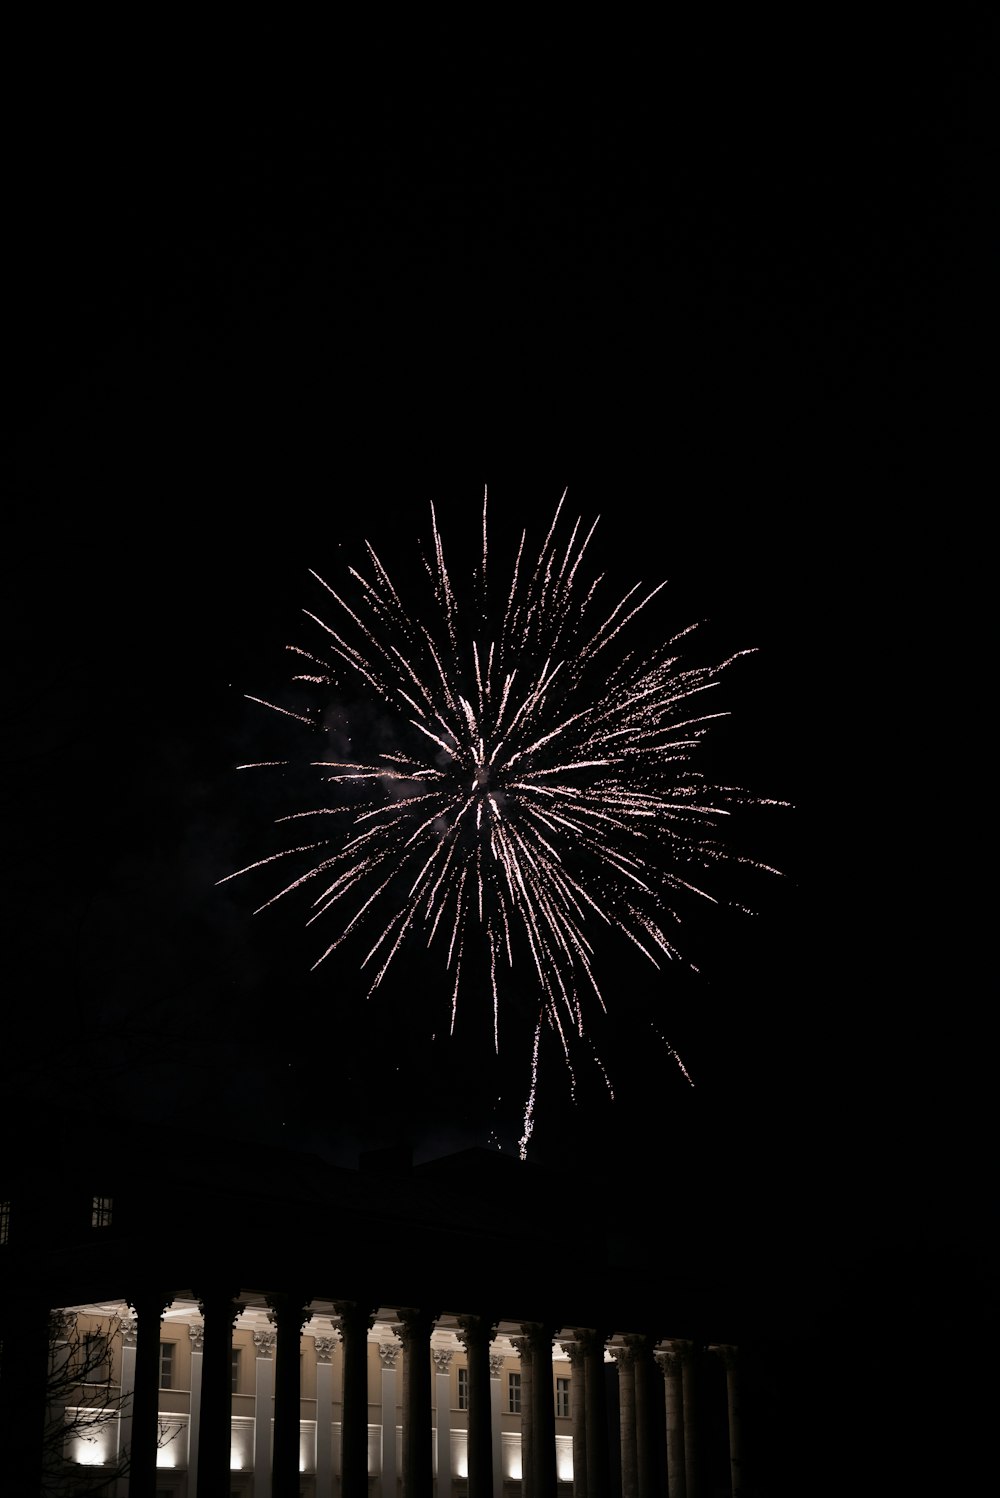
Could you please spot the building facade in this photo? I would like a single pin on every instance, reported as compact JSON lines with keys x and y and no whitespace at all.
{"x":247,"y":1354}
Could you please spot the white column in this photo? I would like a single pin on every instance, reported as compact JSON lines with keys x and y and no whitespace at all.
{"x":442,"y":1401}
{"x":496,"y":1409}
{"x":324,"y":1416}
{"x":388,"y":1353}
{"x":128,"y":1385}
{"x":196,"y":1331}
{"x":263,"y":1342}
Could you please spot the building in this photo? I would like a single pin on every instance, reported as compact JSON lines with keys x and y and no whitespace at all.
{"x":260,"y":1323}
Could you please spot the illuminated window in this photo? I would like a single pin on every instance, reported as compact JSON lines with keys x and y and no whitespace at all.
{"x":236,"y":1370}
{"x":4,"y":1221}
{"x":513,"y":1393}
{"x":100,"y":1212}
{"x":463,"y":1388}
{"x":562,"y":1397}
{"x":166,"y":1365}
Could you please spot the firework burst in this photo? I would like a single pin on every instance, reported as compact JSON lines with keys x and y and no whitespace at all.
{"x":539,"y":787}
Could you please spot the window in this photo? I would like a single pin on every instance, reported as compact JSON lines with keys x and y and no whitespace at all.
{"x":236,"y":1370}
{"x":100,"y":1212}
{"x":166,"y":1365}
{"x":562,"y":1397}
{"x":4,"y":1221}
{"x":513,"y":1393}
{"x":96,"y":1365}
{"x":463,"y":1388}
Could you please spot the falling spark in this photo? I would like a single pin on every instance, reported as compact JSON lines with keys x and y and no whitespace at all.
{"x":546,"y":789}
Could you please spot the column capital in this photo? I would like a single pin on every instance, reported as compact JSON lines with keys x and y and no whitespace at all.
{"x":669,"y":1361}
{"x":441,"y":1358}
{"x":540,"y":1332}
{"x":576,"y":1352}
{"x":150,"y":1302}
{"x":389,"y":1352}
{"x":638,"y":1343}
{"x":624,"y":1357}
{"x":218,"y":1300}
{"x":352,"y":1316}
{"x":324,"y":1348}
{"x":590,"y":1338}
{"x":475,"y":1330}
{"x":196,"y":1334}
{"x":496,"y":1364}
{"x":729,"y":1354}
{"x":413,"y":1323}
{"x":288,"y":1311}
{"x":263,"y":1341}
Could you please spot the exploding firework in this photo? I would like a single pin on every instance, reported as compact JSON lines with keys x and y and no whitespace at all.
{"x":537,"y":784}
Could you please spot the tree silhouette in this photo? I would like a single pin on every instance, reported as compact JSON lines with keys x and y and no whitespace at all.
{"x":82,"y":1452}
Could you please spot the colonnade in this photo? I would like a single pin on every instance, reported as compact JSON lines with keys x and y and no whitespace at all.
{"x":633,"y":1405}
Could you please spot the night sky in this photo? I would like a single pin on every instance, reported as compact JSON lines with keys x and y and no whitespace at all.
{"x":272,"y":298}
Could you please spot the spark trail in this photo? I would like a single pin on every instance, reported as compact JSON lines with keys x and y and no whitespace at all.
{"x":542,"y":789}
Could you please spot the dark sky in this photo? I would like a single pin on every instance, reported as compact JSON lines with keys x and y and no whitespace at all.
{"x":270,"y":297}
